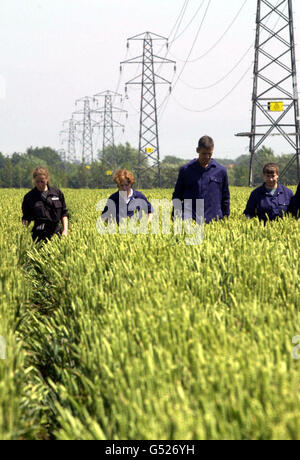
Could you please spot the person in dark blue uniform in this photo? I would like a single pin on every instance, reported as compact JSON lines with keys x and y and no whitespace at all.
{"x":127,"y":201}
{"x":295,"y":204}
{"x":203,"y":178}
{"x":271,"y":200}
{"x":45,"y":206}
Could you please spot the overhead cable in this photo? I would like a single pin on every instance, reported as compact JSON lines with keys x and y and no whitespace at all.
{"x":212,"y":85}
{"x":217,"y":103}
{"x":176,"y":26}
{"x":179,"y":19}
{"x":188,"y":25}
{"x":217,"y":42}
{"x":194,"y":42}
{"x":227,"y":94}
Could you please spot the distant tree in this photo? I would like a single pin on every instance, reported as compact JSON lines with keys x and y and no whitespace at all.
{"x":16,"y":171}
{"x":169,"y":174}
{"x":241,"y":175}
{"x":83,"y":176}
{"x":172,"y":160}
{"x":242,"y":166}
{"x":119,"y":156}
{"x":7,"y":174}
{"x":46,"y":154}
{"x":224,"y":161}
{"x":290,"y":178}
{"x":2,"y":162}
{"x":231,"y":175}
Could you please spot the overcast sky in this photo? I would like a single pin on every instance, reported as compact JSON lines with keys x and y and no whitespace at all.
{"x":56,"y":51}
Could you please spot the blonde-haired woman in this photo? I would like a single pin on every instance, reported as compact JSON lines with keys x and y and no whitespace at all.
{"x":46,"y":207}
{"x":127,"y":201}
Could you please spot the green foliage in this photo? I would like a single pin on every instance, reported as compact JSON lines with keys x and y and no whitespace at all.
{"x":22,"y":392}
{"x":263,"y":156}
{"x":46,"y":154}
{"x":144,"y":337}
{"x":17,"y":171}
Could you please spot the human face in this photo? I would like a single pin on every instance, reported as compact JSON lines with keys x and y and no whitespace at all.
{"x":125,"y":186}
{"x":41,"y":183}
{"x":271,"y":179}
{"x":205,"y":156}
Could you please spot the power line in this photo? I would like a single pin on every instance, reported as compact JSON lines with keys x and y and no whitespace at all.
{"x":207,"y":109}
{"x":132,"y":106}
{"x":224,"y":77}
{"x":188,"y":25}
{"x":188,"y":61}
{"x":234,"y":87}
{"x":230,"y":71}
{"x":179,"y":19}
{"x":191,"y":50}
{"x":175,"y":28}
{"x":194,"y":42}
{"x":120,"y":78}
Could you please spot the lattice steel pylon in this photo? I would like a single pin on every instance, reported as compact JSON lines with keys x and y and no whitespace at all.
{"x":70,"y":133}
{"x":108,"y":123}
{"x":63,"y":155}
{"x":148,"y":134}
{"x":275,"y":102}
{"x":87,"y":130}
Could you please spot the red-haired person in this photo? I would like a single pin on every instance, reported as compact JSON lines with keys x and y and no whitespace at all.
{"x":271,"y":200}
{"x":126,"y":201}
{"x":45,"y":206}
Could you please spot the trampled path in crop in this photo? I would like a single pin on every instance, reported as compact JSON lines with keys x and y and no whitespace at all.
{"x":146,"y":337}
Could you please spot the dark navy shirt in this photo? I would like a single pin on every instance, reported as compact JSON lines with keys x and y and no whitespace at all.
{"x":44,"y":207}
{"x":265,"y":205}
{"x":209,"y":184}
{"x":295,"y":204}
{"x":116,"y":207}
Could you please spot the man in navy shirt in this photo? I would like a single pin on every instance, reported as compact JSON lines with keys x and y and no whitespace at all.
{"x":203,"y":178}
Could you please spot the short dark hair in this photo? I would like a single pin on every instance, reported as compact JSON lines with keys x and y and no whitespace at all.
{"x":206,"y":142}
{"x":269,"y":167}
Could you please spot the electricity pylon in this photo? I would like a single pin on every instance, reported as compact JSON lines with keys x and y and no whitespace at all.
{"x":148,"y":79}
{"x":87,"y":130}
{"x":108,"y":123}
{"x":63,"y":155}
{"x":275,"y":103}
{"x":70,"y":133}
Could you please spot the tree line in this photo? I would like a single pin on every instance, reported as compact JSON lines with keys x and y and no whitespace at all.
{"x":16,"y":170}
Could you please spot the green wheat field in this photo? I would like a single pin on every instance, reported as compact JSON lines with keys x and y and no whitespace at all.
{"x":139,"y":337}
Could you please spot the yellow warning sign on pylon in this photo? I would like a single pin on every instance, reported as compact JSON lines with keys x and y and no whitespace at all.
{"x":275,"y":106}
{"x":149,"y":150}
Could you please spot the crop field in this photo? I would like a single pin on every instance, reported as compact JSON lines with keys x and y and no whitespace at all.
{"x":132,"y":337}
